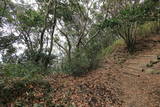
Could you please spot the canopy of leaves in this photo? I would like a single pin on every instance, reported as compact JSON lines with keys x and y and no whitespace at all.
{"x":147,"y":11}
{"x":31,"y":18}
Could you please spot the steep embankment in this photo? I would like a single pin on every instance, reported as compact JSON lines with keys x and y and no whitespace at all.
{"x":134,"y":82}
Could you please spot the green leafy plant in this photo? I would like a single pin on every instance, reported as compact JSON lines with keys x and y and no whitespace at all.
{"x":25,"y":91}
{"x":125,"y":24}
{"x":27,"y":70}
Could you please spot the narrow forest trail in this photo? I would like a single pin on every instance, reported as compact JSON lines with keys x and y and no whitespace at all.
{"x":115,"y":85}
{"x":141,"y":89}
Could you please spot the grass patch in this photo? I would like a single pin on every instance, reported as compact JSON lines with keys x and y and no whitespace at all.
{"x":148,"y":28}
{"x":153,"y":71}
{"x":110,"y":49}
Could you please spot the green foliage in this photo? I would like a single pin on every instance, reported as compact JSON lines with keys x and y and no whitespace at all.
{"x":25,"y":92}
{"x":7,"y":48}
{"x":147,"y":11}
{"x":77,"y":23}
{"x":109,"y":50}
{"x":31,"y":18}
{"x":78,"y":65}
{"x":152,"y":71}
{"x":85,"y":59}
{"x":63,"y":11}
{"x":148,"y":28}
{"x":22,"y":84}
{"x":26,"y":70}
{"x":128,"y":19}
{"x":111,"y":23}
{"x":4,"y":10}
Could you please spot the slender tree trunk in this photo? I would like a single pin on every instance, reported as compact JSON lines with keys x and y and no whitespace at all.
{"x":47,"y":60}
{"x":38,"y":57}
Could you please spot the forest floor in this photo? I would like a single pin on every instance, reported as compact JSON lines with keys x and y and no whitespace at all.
{"x":122,"y":80}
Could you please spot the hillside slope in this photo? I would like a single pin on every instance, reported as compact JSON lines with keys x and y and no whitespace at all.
{"x":132,"y":83}
{"x":140,"y":88}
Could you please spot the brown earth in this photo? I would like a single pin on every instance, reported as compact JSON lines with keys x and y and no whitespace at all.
{"x":122,"y":80}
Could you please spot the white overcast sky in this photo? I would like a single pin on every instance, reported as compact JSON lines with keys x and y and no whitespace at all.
{"x":26,"y":1}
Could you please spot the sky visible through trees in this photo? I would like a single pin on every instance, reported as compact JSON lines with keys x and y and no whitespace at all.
{"x":47,"y":30}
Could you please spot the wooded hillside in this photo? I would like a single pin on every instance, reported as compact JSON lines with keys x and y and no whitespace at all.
{"x":50,"y":50}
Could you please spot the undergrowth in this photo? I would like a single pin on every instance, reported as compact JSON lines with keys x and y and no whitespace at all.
{"x":149,"y":28}
{"x":22,"y":85}
{"x":109,"y":50}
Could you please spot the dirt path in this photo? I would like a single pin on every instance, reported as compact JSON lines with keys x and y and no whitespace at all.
{"x":114,"y":85}
{"x":138,"y":86}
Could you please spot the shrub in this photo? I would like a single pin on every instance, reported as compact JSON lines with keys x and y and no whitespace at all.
{"x":26,"y":70}
{"x":108,"y":50}
{"x":87,"y":58}
{"x":126,"y":22}
{"x":79,"y":64}
{"x":149,"y":28}
{"x":25,"y":92}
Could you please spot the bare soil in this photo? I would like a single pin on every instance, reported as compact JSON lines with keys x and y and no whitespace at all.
{"x":121,"y":81}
